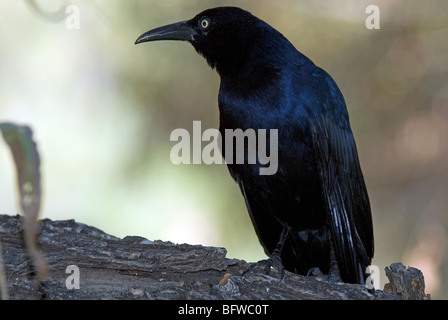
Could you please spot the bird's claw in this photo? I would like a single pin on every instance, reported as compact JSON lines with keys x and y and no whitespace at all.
{"x":334,"y":275}
{"x":273,"y":262}
{"x":314,"y":272}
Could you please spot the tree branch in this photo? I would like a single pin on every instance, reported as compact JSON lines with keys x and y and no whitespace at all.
{"x":137,"y":268}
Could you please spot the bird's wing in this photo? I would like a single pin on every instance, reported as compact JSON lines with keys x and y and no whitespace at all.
{"x":345,"y":194}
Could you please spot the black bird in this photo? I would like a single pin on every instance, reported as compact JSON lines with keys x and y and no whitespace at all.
{"x":314,"y":212}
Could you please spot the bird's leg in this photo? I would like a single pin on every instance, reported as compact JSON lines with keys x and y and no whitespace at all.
{"x":275,"y":259}
{"x":334,"y":274}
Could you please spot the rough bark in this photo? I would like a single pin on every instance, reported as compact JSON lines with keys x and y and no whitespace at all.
{"x":137,"y":268}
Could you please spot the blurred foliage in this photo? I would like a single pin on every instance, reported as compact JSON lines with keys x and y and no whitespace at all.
{"x":120,"y":103}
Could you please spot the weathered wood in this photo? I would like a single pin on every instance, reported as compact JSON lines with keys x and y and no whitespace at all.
{"x":137,"y":268}
{"x":406,"y":282}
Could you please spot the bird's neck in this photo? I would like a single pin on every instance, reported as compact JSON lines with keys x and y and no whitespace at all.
{"x":249,"y":79}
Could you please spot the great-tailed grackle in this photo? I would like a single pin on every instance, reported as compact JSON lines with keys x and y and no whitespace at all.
{"x":314,"y":211}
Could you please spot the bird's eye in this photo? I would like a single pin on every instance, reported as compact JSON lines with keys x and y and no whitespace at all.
{"x":204,"y":23}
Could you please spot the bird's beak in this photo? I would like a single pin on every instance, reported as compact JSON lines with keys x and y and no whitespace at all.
{"x":176,"y":31}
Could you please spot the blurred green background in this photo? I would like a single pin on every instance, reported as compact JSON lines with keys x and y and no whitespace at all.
{"x":102,"y":110}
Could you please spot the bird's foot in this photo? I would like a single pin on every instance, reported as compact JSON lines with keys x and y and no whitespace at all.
{"x":274,"y":262}
{"x":314,"y":272}
{"x":334,"y":275}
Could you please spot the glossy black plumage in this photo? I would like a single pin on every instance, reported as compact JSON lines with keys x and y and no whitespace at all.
{"x":318,"y":192}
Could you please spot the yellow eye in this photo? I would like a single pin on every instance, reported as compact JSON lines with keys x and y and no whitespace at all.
{"x":204,"y":23}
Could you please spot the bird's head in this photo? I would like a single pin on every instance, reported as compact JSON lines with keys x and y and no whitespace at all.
{"x":228,"y":37}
